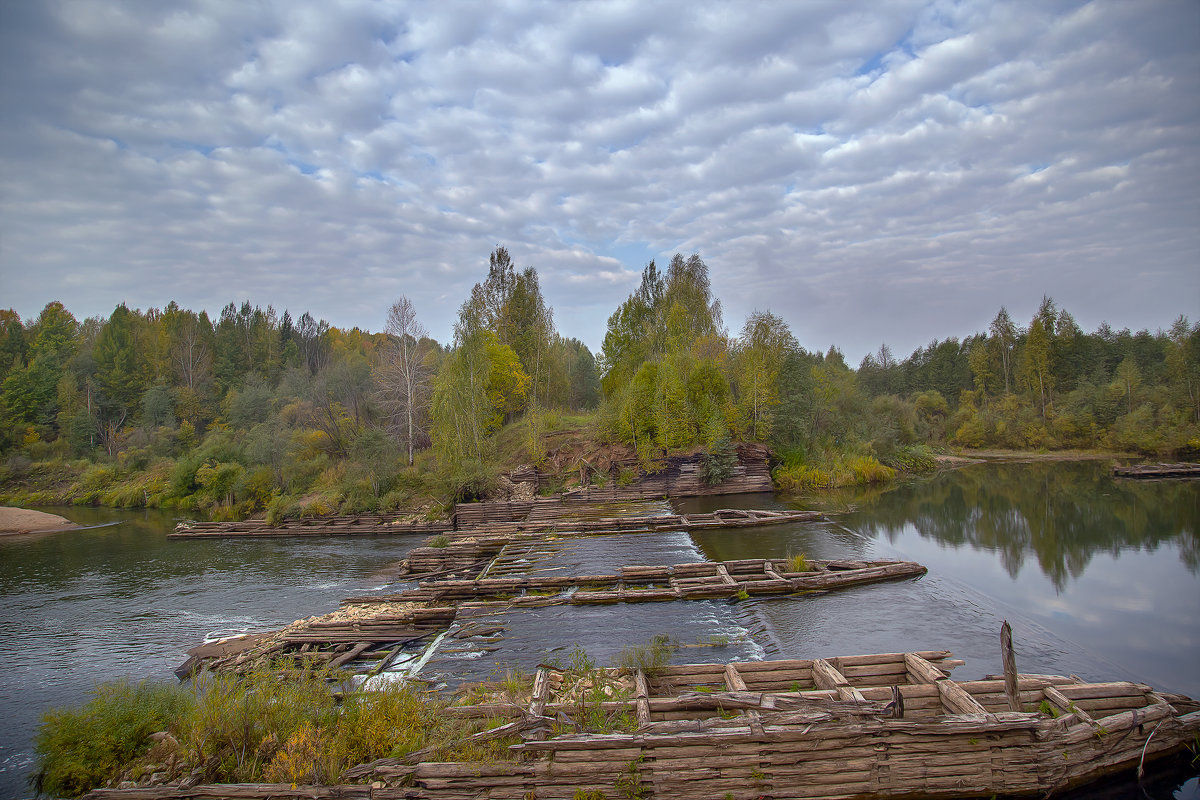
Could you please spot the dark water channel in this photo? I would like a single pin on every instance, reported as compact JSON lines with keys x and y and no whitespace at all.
{"x":1098,"y":578}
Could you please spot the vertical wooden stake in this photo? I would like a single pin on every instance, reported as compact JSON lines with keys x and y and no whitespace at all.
{"x":1010,"y":668}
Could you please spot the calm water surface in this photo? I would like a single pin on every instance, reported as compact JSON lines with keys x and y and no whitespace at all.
{"x":1098,"y":578}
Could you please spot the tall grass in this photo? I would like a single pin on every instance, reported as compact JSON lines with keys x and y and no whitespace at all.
{"x":832,"y":471}
{"x":244,"y":729}
{"x":79,"y":749}
{"x":651,"y":657}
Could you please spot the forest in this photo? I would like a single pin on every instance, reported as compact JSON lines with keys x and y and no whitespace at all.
{"x":259,"y":412}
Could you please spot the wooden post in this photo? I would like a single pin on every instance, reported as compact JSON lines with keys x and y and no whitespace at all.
{"x":1010,"y":668}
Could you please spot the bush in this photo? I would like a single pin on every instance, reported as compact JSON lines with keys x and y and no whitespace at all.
{"x":237,"y":725}
{"x":282,"y":507}
{"x":246,"y":729}
{"x":83,"y":748}
{"x":718,"y":463}
{"x":912,"y":458}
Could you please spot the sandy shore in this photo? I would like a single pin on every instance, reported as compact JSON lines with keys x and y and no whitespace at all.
{"x":22,"y":520}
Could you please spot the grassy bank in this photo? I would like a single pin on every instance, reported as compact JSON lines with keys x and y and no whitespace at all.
{"x":303,"y":727}
{"x":224,"y":729}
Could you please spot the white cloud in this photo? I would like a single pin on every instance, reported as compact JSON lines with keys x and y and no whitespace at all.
{"x":869,"y":173}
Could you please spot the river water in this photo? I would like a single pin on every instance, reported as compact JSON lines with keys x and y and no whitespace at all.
{"x":1099,"y":578}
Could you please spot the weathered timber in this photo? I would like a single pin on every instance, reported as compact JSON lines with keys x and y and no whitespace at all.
{"x":336,"y":639}
{"x":701,"y":580}
{"x":813,"y":744}
{"x":359,"y":525}
{"x":467,"y":551}
{"x":1150,"y":471}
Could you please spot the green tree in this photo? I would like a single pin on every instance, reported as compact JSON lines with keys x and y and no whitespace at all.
{"x":1004,"y":341}
{"x":764,"y":344}
{"x":1128,"y":380}
{"x":633,"y":335}
{"x":1183,"y":363}
{"x":1035,"y":362}
{"x":30,"y":391}
{"x":12,"y":342}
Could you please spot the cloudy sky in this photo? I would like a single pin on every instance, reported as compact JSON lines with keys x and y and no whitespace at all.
{"x":869,"y":171}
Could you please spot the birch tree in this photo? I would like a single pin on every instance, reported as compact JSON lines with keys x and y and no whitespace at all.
{"x":404,"y":376}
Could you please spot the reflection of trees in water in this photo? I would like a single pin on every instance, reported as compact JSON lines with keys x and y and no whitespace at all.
{"x":1063,"y":513}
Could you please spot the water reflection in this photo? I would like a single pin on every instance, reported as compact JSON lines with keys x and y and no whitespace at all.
{"x":1061,"y":514}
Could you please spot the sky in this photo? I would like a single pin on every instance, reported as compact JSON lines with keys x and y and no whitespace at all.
{"x":870,"y":172}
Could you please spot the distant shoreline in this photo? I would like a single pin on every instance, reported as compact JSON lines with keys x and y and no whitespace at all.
{"x":16,"y":521}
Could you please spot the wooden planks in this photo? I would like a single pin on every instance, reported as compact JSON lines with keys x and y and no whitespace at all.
{"x":811,"y":744}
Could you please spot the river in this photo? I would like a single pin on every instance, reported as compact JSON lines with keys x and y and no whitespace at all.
{"x":1099,"y":578}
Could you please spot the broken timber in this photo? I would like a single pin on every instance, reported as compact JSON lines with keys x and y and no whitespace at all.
{"x":867,"y":726}
{"x":333,"y":640}
{"x":368,"y":626}
{"x":1150,"y":471}
{"x":361,"y":525}
{"x":636,"y":584}
{"x":491,"y":519}
{"x":469,"y":550}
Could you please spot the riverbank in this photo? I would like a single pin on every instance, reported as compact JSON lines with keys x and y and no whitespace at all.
{"x":17,"y":521}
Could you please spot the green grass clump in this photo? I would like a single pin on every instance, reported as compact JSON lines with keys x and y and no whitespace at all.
{"x":798,"y":562}
{"x":831,"y":471}
{"x":79,"y":749}
{"x":650,"y":658}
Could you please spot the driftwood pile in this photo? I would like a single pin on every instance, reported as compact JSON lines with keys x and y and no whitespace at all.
{"x":353,"y":633}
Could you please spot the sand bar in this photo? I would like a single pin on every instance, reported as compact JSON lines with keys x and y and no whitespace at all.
{"x":23,"y":520}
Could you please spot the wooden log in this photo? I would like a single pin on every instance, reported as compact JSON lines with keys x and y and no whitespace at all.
{"x":826,"y":676}
{"x":1010,"y":667}
{"x":350,"y":655}
{"x":921,"y":670}
{"x":957,"y":701}
{"x":643,"y":698}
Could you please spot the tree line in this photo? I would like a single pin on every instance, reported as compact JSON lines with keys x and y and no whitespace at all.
{"x":258,"y":410}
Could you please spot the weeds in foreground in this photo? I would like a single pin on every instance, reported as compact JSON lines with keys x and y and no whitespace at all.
{"x":251,"y":729}
{"x":78,"y":749}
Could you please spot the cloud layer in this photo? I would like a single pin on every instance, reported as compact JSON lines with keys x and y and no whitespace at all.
{"x":870,"y":174}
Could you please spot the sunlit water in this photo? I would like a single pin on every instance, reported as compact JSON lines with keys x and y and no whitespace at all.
{"x":1098,"y":578}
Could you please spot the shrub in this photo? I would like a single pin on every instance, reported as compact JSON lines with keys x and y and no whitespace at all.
{"x":79,"y":749}
{"x":237,"y":725}
{"x":912,"y":458}
{"x":717,"y":464}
